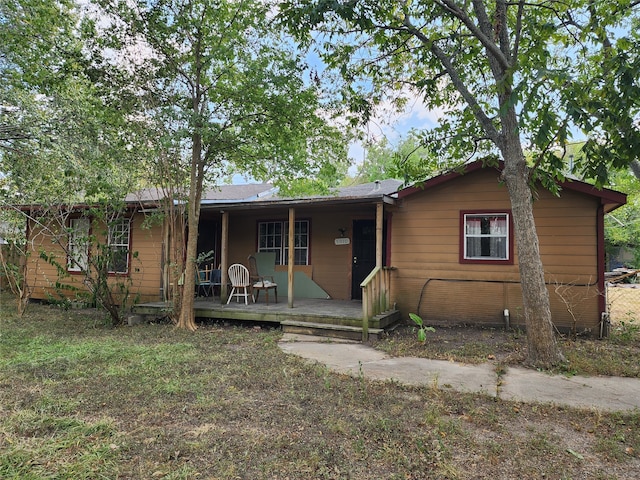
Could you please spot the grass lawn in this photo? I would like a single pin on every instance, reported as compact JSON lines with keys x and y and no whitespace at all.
{"x":79,"y":400}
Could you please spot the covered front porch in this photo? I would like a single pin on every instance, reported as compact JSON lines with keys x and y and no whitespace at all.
{"x":327,"y":255}
{"x":327,"y":317}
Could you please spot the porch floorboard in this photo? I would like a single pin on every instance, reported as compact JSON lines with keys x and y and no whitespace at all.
{"x":333,"y":313}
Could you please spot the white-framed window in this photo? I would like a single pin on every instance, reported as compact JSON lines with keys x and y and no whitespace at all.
{"x":274,"y":237}
{"x":486,"y":237}
{"x":78,"y":246}
{"x":118,"y":242}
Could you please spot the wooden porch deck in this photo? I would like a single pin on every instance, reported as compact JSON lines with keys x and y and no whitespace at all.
{"x":334,"y":318}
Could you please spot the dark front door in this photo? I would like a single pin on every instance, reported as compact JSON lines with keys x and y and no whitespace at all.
{"x":364,"y":254}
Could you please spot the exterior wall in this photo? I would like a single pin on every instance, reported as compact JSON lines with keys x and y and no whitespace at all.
{"x":330,"y":264}
{"x":144,"y":268}
{"x":430,"y":280}
{"x":424,"y":247}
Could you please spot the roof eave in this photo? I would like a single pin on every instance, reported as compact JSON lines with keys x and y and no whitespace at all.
{"x":611,"y":199}
{"x":275,"y":203}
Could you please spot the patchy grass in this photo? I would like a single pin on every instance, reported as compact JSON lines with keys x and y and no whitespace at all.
{"x":81,"y":400}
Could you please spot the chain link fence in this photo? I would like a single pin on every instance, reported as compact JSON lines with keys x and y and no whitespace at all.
{"x":623,"y":301}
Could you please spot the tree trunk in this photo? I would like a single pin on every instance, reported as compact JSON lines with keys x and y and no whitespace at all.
{"x":635,"y":168}
{"x":543,"y":350}
{"x":187,"y":319}
{"x":187,"y":315}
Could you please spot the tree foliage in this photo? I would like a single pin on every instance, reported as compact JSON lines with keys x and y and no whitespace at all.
{"x":65,"y":138}
{"x":622,"y":227}
{"x":233,"y":93}
{"x":568,"y":69}
{"x":410,"y":160}
{"x":601,"y":93}
{"x":63,"y":133}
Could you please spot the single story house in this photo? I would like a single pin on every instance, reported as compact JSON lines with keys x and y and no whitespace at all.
{"x":443,"y":249}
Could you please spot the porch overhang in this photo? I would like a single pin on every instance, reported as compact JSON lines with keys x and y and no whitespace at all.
{"x":294,"y":203}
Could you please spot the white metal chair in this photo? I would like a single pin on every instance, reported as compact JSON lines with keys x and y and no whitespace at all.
{"x":239,"y":278}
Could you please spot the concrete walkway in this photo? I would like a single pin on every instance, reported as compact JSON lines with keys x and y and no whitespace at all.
{"x":516,"y":384}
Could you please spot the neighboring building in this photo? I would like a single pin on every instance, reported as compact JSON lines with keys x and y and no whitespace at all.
{"x":449,"y":245}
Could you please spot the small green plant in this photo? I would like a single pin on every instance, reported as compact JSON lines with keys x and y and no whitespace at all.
{"x":422,"y":329}
{"x":627,"y":330}
{"x":205,"y":257}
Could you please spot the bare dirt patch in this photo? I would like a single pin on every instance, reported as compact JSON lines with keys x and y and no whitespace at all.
{"x":617,"y":355}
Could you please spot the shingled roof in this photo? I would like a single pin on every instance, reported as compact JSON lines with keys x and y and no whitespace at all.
{"x":267,"y":194}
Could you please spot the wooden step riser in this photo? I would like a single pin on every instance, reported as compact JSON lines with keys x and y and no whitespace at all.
{"x":383,"y":320}
{"x":329,"y":333}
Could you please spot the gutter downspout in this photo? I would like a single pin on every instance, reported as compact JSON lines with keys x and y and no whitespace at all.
{"x":602,"y":299}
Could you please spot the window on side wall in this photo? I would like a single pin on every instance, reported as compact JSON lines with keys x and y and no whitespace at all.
{"x":486,"y":237}
{"x":274,"y":237}
{"x":118,"y":242}
{"x":78,"y":246}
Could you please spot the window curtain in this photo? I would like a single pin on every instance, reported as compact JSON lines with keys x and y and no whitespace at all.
{"x":78,"y":245}
{"x":498,"y":231}
{"x":474,"y":243}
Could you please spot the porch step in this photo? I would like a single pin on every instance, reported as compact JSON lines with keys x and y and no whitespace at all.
{"x":386,"y":319}
{"x":328,"y":330}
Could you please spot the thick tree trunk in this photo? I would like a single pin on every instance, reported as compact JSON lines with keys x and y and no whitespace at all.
{"x":543,"y":350}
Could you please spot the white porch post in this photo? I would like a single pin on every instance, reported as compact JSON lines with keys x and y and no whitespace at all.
{"x":224,"y":257}
{"x":379,"y":232}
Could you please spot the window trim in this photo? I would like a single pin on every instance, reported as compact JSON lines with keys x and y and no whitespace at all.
{"x":463,"y":238}
{"x":284,"y":233}
{"x":122,"y":220}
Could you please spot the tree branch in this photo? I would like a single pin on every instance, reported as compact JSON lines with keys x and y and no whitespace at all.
{"x":547,"y":147}
{"x":516,"y":42}
{"x":482,"y":33}
{"x":501,"y":28}
{"x":451,"y":70}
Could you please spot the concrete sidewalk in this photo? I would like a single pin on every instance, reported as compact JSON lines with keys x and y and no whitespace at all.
{"x":516,"y":384}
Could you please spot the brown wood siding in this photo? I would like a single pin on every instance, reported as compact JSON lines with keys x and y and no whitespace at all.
{"x":42,"y":275}
{"x":144,"y":271}
{"x":426,"y":245}
{"x":486,"y":302}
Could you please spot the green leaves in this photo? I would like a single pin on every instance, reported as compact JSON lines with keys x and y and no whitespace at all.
{"x":223,"y":74}
{"x":70,"y":140}
{"x":409,"y":160}
{"x":422,"y":329}
{"x":562,"y":71}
